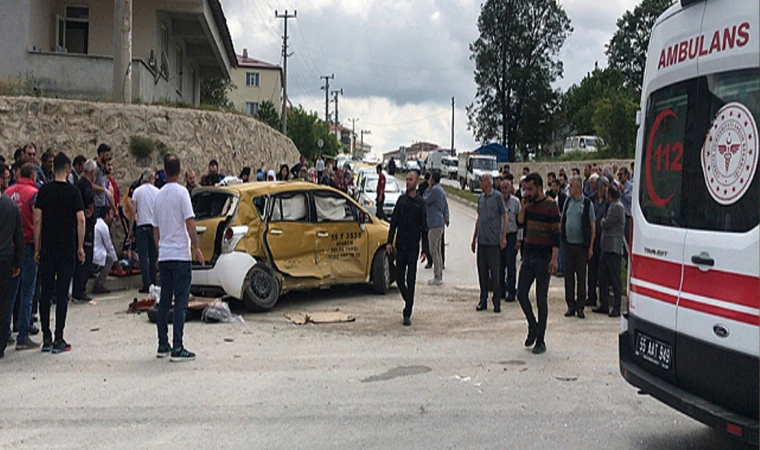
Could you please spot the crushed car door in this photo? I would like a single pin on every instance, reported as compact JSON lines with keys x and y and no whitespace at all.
{"x":341,"y":239}
{"x":291,"y":234}
{"x":214,"y":210}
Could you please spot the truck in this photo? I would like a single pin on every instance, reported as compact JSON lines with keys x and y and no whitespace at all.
{"x":472,"y":166}
{"x":689,"y":331}
{"x":434,"y":161}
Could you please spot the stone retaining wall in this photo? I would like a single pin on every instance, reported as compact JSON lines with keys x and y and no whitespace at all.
{"x":78,"y":127}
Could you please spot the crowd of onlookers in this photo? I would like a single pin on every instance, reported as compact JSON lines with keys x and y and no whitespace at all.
{"x":589,"y":262}
{"x":69,"y":206}
{"x":53,"y":194}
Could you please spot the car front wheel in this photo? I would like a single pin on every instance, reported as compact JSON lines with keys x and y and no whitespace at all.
{"x":261,"y":290}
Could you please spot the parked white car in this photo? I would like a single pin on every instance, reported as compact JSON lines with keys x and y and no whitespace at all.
{"x":411,"y":165}
{"x":367,"y":193}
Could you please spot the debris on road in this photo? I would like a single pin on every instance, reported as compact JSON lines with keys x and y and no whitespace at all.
{"x":302,"y":318}
{"x":566,"y":378}
{"x":219,"y":311}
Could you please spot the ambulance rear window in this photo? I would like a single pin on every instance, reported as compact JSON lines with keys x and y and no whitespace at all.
{"x":712,"y":188}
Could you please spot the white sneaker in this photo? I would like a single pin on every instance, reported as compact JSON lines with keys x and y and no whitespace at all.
{"x":435,"y":282}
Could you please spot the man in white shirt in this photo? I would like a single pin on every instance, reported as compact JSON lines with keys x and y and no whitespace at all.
{"x":175,"y":235}
{"x":142,"y":227}
{"x":103,"y":254}
{"x":320,"y":166}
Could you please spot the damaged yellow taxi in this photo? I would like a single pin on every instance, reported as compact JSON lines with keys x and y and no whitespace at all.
{"x":262,"y":240}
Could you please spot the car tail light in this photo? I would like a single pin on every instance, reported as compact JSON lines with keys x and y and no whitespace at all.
{"x":232,"y":236}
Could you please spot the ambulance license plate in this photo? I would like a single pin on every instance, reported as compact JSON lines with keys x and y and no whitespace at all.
{"x":654,"y":351}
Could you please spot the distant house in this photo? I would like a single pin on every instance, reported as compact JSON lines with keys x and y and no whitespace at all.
{"x":255,"y":82}
{"x":66,"y":49}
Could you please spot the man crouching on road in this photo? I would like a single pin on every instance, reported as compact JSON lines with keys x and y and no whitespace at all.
{"x":409,"y":227}
{"x":174,"y":232}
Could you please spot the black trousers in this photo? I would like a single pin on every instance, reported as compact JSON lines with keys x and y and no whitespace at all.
{"x":406,"y":276}
{"x":6,"y":274}
{"x":610,"y":266}
{"x":593,"y":273}
{"x":576,"y":263}
{"x":83,"y":271}
{"x":380,"y":211}
{"x":535,"y":267}
{"x":56,"y":271}
{"x":489,"y":268}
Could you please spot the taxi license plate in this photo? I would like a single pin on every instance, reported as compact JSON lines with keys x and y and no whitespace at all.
{"x":654,"y":351}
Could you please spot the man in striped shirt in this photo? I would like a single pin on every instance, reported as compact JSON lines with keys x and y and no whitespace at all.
{"x":539,"y":216}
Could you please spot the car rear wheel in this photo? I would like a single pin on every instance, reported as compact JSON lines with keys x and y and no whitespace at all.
{"x":381,"y":272}
{"x":261,"y":290}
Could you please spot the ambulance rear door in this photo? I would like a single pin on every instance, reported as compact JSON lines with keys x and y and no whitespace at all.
{"x":659,"y":228}
{"x":717,"y":315}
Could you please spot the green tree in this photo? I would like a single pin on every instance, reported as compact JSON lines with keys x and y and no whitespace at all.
{"x":515,"y":57}
{"x":615,"y":121}
{"x":214,"y":92}
{"x":268,"y":114}
{"x":305,"y":130}
{"x":579,"y":102}
{"x":627,"y":50}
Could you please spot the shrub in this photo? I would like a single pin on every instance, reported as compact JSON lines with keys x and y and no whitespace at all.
{"x":141,"y":147}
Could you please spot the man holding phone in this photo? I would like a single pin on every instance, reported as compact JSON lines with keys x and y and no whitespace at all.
{"x":539,"y":216}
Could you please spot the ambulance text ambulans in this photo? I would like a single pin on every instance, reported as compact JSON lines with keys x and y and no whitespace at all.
{"x":690,"y":336}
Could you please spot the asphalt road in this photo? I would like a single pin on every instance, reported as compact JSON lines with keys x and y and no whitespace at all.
{"x":456,"y":379}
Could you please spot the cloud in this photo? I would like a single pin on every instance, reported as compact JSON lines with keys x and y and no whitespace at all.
{"x":399,"y":62}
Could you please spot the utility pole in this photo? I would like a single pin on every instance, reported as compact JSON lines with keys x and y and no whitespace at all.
{"x":361,"y":147}
{"x":453,"y":152}
{"x":337,"y":122}
{"x":122,"y":60}
{"x":285,"y":56}
{"x":326,"y":88}
{"x":353,"y":121}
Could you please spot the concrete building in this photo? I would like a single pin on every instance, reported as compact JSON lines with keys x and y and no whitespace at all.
{"x":255,"y":82}
{"x":66,"y":49}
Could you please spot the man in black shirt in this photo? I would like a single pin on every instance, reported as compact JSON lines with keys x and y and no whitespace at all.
{"x":83,"y":271}
{"x":59,"y":227}
{"x":409,"y":227}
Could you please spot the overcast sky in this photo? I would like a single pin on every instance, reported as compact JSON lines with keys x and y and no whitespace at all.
{"x":399,"y":62}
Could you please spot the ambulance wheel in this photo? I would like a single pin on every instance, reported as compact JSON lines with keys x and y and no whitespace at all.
{"x":261,"y":289}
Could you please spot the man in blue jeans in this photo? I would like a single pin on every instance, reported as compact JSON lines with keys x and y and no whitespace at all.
{"x":174,"y":233}
{"x":143,"y":199}
{"x":24,"y":194}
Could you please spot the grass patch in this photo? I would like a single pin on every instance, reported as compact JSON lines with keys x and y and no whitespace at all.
{"x":464,"y":195}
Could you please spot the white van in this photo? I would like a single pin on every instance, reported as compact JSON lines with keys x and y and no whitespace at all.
{"x":690,"y":335}
{"x":583,"y":144}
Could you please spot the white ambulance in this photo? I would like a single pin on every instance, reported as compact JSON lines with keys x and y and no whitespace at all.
{"x":690,"y":335}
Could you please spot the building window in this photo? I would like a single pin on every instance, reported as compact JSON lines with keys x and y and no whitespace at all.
{"x":251,"y":109}
{"x":252,"y":79}
{"x":73,"y":31}
{"x":164,"y":51}
{"x":180,"y":65}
